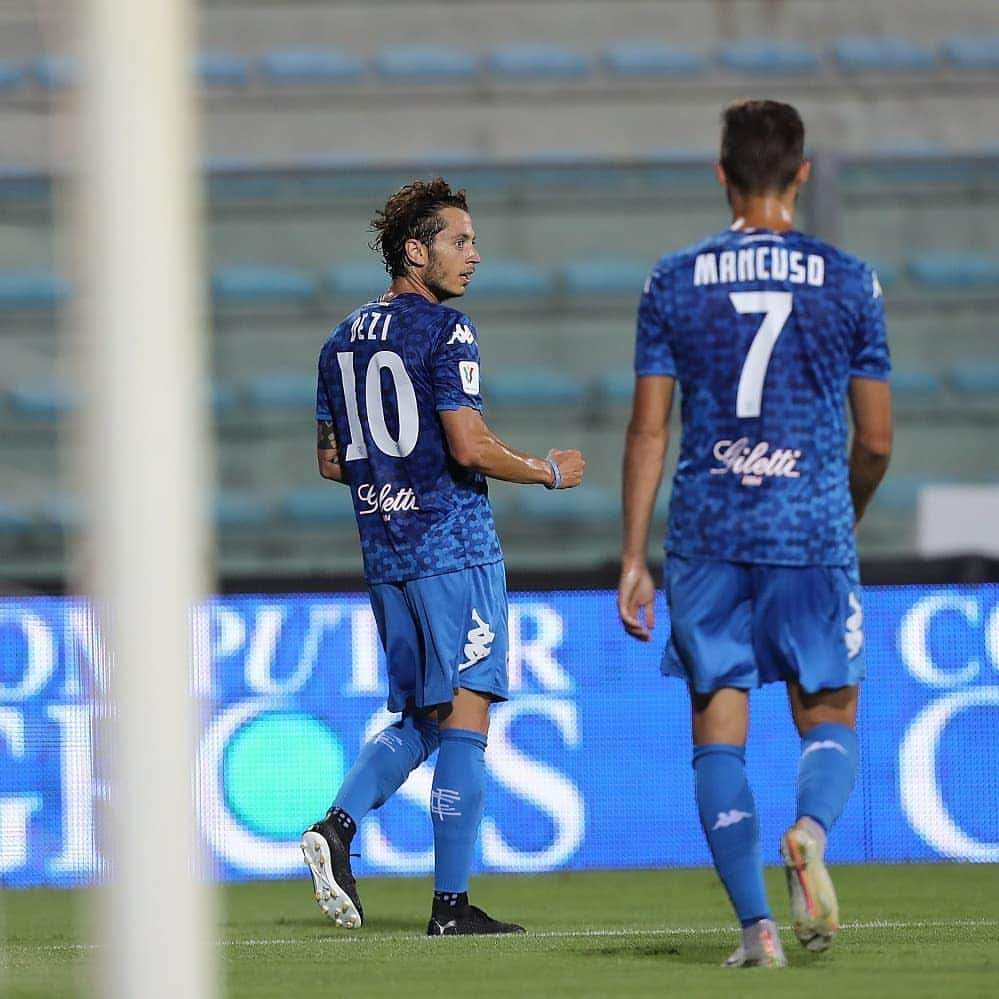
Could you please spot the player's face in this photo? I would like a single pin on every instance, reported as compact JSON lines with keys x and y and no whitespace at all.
{"x":452,"y":257}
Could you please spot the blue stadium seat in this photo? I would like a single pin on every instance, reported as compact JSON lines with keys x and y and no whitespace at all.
{"x":899,"y":492}
{"x":539,"y":61}
{"x":311,"y":65}
{"x":13,"y":521}
{"x":41,"y":400}
{"x":914,"y":383}
{"x":641,"y":58}
{"x":417,"y":63}
{"x":236,"y":284}
{"x":615,"y":388}
{"x":764,"y":57}
{"x":291,"y":390}
{"x":359,"y":282}
{"x":872,"y":53}
{"x":972,"y":53}
{"x":974,"y":378}
{"x":222,"y":69}
{"x":510,"y":279}
{"x":222,"y":398}
{"x":236,"y":509}
{"x":955,"y":269}
{"x":55,"y":72}
{"x":532,"y":388}
{"x":586,"y":506}
{"x":31,"y":290}
{"x":605,"y":276}
{"x":325,"y":504}
{"x":61,"y":511}
{"x":10,"y":76}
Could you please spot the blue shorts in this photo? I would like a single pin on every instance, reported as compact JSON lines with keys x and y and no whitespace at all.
{"x":444,"y":632}
{"x":735,"y":624}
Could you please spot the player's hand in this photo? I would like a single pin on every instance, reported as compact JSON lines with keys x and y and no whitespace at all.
{"x":636,"y":601}
{"x":570,"y":465}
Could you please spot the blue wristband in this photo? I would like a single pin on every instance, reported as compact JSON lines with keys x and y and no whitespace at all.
{"x":556,"y":482}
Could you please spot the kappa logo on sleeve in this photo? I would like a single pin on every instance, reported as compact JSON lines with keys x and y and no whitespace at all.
{"x":463,"y":333}
{"x":469,"y":376}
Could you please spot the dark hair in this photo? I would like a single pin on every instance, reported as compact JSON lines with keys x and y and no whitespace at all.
{"x":413,"y":212}
{"x":762,"y":146}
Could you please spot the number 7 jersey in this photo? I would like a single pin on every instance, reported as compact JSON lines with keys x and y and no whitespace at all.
{"x":763,"y":332}
{"x":384,"y":375}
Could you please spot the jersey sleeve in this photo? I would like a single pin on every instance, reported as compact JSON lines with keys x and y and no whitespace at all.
{"x":653,"y":353}
{"x":455,"y":365}
{"x":323,"y":411}
{"x":869,"y":356}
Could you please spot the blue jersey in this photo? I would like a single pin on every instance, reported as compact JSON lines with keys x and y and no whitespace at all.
{"x":763,"y":332}
{"x":384,"y":374}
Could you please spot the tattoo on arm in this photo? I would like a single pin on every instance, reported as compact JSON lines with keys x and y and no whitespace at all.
{"x":327,"y":442}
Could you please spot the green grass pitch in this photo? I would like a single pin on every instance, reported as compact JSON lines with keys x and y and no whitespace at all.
{"x":912,"y":931}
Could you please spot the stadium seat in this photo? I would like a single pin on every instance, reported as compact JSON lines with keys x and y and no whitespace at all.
{"x":31,"y":290}
{"x":416,"y":63}
{"x":764,"y":57}
{"x":974,"y":378}
{"x":235,"y":284}
{"x":615,"y":388}
{"x":311,"y":65}
{"x":10,"y":76}
{"x":317,"y":505}
{"x":293,"y":390}
{"x":532,"y":388}
{"x":239,"y":510}
{"x":359,"y":282}
{"x":605,"y":276}
{"x":510,"y":279}
{"x":13,"y":521}
{"x":586,"y":506}
{"x":222,"y":69}
{"x":41,"y":400}
{"x":56,"y":72}
{"x":972,"y":53}
{"x":539,"y":61}
{"x":914,"y":383}
{"x":870,"y":53}
{"x":641,"y":58}
{"x":222,"y":398}
{"x":899,"y":492}
{"x":61,"y":512}
{"x":955,"y":269}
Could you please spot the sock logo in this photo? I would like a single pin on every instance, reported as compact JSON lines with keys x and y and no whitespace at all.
{"x":480,"y":640}
{"x":443,"y":801}
{"x":854,"y":628}
{"x":730,"y":818}
{"x":823,"y":744}
{"x":389,"y":740}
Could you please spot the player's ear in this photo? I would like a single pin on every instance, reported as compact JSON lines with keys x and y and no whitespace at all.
{"x":804,"y":172}
{"x":416,"y":253}
{"x":720,"y":174}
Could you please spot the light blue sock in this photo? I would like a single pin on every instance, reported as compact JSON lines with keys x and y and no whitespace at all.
{"x":728,"y":817}
{"x":828,"y":768}
{"x":383,"y":765}
{"x":456,"y":806}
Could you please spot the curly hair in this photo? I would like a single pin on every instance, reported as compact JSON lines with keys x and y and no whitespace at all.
{"x":413,"y":212}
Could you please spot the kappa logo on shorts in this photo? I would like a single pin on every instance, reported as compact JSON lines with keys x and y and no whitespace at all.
{"x":854,"y":635}
{"x":480,"y":640}
{"x":730,"y":818}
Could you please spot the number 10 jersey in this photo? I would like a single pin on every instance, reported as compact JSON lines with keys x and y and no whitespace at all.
{"x":763,"y":332}
{"x":384,"y":374}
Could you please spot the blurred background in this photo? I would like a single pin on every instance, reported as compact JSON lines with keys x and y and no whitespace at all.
{"x":585,"y":134}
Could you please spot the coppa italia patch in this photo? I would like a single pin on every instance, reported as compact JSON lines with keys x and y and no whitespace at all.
{"x":469,"y":376}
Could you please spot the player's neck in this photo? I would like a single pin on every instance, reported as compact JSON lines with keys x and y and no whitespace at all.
{"x":409,"y":285}
{"x":763,"y":211}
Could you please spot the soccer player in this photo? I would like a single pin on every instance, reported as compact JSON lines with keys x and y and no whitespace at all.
{"x":770,"y":334}
{"x":400,"y":423}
